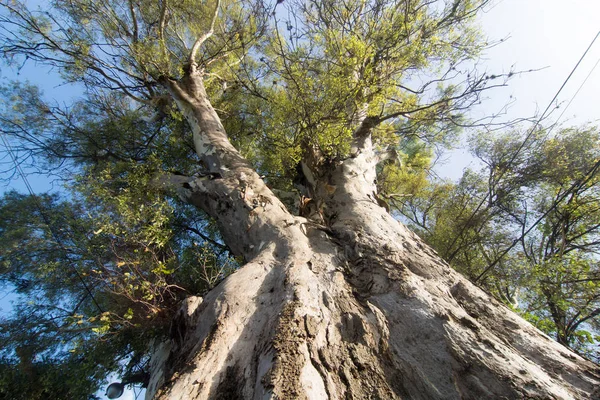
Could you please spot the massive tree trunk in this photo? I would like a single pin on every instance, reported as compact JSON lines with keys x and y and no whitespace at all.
{"x":352,"y":306}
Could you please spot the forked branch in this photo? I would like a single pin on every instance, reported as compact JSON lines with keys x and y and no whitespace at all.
{"x":202,"y":38}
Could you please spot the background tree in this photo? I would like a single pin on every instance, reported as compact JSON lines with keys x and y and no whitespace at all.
{"x":540,"y":201}
{"x":339,"y":301}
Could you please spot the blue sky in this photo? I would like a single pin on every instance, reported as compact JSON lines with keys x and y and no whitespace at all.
{"x":548,"y":34}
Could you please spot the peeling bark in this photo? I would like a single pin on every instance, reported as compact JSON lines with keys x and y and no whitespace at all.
{"x":362,"y":309}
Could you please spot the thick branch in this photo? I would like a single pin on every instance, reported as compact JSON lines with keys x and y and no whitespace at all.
{"x":202,"y":38}
{"x":362,"y":134}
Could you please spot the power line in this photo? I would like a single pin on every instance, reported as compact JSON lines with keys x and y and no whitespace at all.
{"x":568,"y":77}
{"x":576,"y":93}
{"x":515,"y":155}
{"x":46,"y":219}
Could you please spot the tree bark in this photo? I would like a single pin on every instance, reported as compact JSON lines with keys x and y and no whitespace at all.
{"x":354,"y":307}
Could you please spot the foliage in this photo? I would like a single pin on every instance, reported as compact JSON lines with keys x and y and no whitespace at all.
{"x":95,"y":291}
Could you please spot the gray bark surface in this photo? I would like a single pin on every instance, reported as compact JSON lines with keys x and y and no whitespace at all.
{"x":354,"y":306}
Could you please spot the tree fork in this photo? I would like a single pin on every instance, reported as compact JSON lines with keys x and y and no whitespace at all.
{"x":366,"y":311}
{"x":362,"y":318}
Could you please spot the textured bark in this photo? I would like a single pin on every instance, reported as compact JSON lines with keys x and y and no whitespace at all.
{"x":358,"y":309}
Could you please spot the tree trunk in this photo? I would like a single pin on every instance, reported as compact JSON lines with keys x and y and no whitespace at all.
{"x":354,"y":307}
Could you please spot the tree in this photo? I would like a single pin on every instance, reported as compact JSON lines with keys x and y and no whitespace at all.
{"x":562,"y":197}
{"x":525,"y":227}
{"x":338,"y":301}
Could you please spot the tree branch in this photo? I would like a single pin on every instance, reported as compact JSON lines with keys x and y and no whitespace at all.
{"x":134,"y":22}
{"x":163,"y":18}
{"x":204,"y":237}
{"x":202,"y":38}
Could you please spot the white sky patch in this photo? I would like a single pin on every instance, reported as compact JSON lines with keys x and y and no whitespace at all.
{"x":548,"y":34}
{"x":544,"y":33}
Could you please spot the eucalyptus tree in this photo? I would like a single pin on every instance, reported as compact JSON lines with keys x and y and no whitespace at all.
{"x":281,"y":125}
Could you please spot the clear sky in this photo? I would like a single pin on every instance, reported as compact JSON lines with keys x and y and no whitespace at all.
{"x":549,"y":34}
{"x":546,"y":33}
